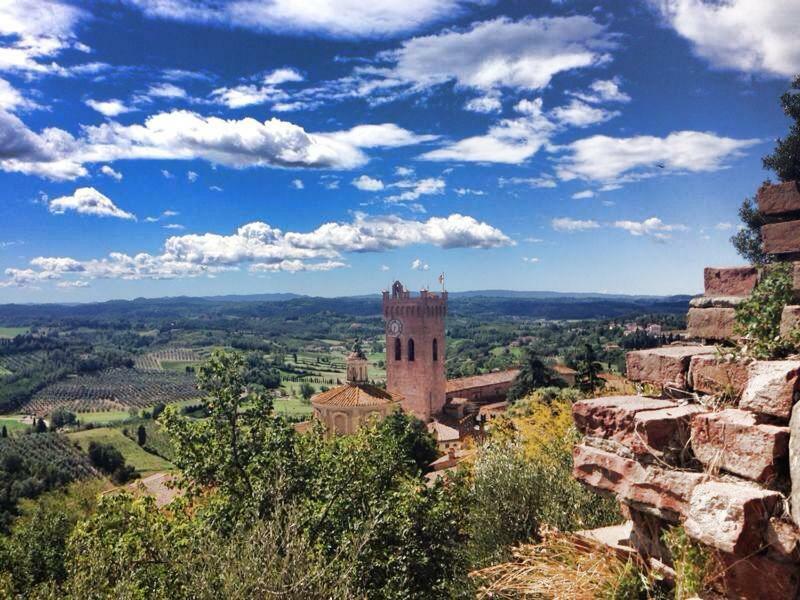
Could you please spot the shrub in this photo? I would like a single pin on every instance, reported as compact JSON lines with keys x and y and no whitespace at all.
{"x":523,"y":484}
{"x":691,"y":562}
{"x":758,"y":319}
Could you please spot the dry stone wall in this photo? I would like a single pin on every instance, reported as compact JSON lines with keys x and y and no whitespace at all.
{"x":719,"y":451}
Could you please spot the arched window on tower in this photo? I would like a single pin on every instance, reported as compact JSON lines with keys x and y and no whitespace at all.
{"x":398,"y":350}
{"x":410,"y":349}
{"x":435,"y":349}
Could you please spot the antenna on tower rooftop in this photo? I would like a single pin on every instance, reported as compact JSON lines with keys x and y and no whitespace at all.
{"x":441,"y":279}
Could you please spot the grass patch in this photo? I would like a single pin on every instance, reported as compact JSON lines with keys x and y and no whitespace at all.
{"x":141,"y":460}
{"x":103,"y":417}
{"x":11,"y":332}
{"x":291,"y":407}
{"x":13,"y":425}
{"x":179,"y":366}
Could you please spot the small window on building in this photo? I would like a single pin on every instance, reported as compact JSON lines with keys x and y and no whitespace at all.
{"x":435,"y":349}
{"x":398,"y":350}
{"x":410,"y":350}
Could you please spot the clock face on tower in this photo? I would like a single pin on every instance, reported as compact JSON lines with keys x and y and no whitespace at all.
{"x":394,"y":327}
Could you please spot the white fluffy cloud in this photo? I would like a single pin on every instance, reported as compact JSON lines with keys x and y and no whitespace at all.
{"x":266,"y":248}
{"x":419,"y":265}
{"x":603,"y":90}
{"x":11,"y":99}
{"x":510,"y":141}
{"x":109,"y":172}
{"x":484,"y":104}
{"x":570,"y":225}
{"x":608,"y":159}
{"x":414,"y":188}
{"x":583,"y":195}
{"x":524,"y":54}
{"x":109,"y":108}
{"x":298,"y":184}
{"x":653,"y":226}
{"x":368,"y":184}
{"x":37,"y":32}
{"x":580,"y":114}
{"x":755,"y":36}
{"x":88,"y":201}
{"x":186,"y":135}
{"x":337,"y":18}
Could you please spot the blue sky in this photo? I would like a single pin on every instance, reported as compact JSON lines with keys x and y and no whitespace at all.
{"x":176,"y":147}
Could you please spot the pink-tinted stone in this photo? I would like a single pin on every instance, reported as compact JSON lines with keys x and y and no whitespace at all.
{"x":781,"y":238}
{"x":729,"y":516}
{"x":790,"y":320}
{"x":779,"y":198}
{"x":734,"y":441}
{"x":712,"y":375}
{"x":666,"y":366}
{"x":730,"y":281}
{"x":757,"y":578}
{"x":772,"y":387}
{"x":710,"y":323}
{"x":783,"y":537}
{"x":612,"y":417}
{"x":659,"y":431}
{"x":660,"y":490}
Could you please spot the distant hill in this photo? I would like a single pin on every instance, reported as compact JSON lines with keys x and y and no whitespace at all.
{"x":484,"y":304}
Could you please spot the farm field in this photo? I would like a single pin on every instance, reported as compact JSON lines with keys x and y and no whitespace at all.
{"x":113,"y":390}
{"x":10,"y":332}
{"x":13,"y":425}
{"x":141,"y":460}
{"x":171,"y":359}
{"x":49,"y":448}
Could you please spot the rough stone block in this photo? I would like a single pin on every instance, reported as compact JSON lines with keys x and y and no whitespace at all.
{"x":710,"y":323}
{"x":794,"y":462}
{"x":666,"y":366}
{"x":713,"y":375}
{"x":758,"y":578}
{"x":730,"y":281}
{"x":716,"y":301}
{"x":665,"y":432}
{"x":612,"y":417}
{"x":772,"y":387}
{"x":647,"y":535}
{"x":781,"y":238}
{"x":660,"y":491}
{"x":779,"y":199}
{"x":731,"y":517}
{"x":790,"y":320}
{"x":732,"y":440}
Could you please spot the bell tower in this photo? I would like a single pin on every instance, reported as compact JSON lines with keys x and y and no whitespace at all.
{"x":415,"y":347}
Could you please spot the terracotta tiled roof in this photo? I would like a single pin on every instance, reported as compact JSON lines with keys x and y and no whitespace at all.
{"x":444,"y":432}
{"x":466,"y":383}
{"x":564,"y":370}
{"x":361,"y":394}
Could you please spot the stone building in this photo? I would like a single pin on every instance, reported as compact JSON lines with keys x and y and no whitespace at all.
{"x":415,"y":349}
{"x":482,"y":389}
{"x":345,"y":408}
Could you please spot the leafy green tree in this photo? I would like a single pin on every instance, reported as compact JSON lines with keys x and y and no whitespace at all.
{"x":747,"y":241}
{"x":589,"y":369}
{"x":61,"y":417}
{"x":4,"y":432}
{"x":785,"y":159}
{"x":533,"y":374}
{"x":306,"y":391}
{"x":248,"y":456}
{"x":40,"y":427}
{"x":141,"y":435}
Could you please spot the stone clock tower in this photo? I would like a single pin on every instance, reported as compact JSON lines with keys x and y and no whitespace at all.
{"x":415,"y":346}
